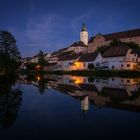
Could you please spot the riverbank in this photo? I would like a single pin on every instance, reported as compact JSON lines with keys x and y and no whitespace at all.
{"x":100,"y":73}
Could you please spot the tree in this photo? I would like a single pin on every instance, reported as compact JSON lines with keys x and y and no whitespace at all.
{"x":31,"y":66}
{"x":115,"y":42}
{"x":133,"y":45}
{"x":41,"y":60}
{"x":9,"y":53}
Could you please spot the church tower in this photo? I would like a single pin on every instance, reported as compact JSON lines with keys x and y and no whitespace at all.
{"x":84,"y":35}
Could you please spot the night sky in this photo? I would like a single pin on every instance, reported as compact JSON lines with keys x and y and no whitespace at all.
{"x":49,"y":25}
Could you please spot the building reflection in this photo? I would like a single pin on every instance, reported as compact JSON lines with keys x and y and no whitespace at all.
{"x":85,"y":104}
{"x":114,"y":92}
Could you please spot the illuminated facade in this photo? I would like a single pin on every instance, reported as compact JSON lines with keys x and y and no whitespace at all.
{"x":84,"y":35}
{"x":105,"y":39}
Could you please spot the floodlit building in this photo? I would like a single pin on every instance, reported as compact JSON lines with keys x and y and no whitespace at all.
{"x":84,"y":60}
{"x":105,"y":39}
{"x":119,"y":58}
{"x":66,"y":60}
{"x":84,"y":35}
{"x":113,"y":58}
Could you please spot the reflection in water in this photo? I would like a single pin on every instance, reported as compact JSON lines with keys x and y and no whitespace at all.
{"x":85,"y":104}
{"x":10,"y":100}
{"x":120,"y":93}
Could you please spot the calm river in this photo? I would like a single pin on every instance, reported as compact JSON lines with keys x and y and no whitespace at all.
{"x":70,"y":107}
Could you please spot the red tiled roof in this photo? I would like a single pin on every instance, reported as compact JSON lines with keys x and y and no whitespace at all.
{"x":59,"y":51}
{"x":78,"y":43}
{"x":122,"y":35}
{"x":117,"y":93}
{"x":68,"y":56}
{"x":119,"y":35}
{"x":88,"y":57}
{"x":75,"y":44}
{"x":115,"y":51}
{"x":88,"y":87}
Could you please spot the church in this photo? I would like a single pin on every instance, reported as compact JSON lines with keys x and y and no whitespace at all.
{"x":105,"y":39}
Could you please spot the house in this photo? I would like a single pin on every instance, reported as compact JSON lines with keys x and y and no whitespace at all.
{"x":112,"y":58}
{"x":34,"y":59}
{"x":78,"y":47}
{"x":105,"y":39}
{"x":119,"y":58}
{"x":84,"y":60}
{"x":50,"y":58}
{"x":67,"y":59}
{"x":50,"y":67}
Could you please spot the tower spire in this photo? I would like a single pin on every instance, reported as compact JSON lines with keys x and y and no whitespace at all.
{"x":84,"y":27}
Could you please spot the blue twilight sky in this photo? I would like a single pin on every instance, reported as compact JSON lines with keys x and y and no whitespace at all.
{"x":49,"y":25}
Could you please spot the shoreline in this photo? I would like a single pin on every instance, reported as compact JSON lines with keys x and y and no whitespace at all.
{"x":99,"y":73}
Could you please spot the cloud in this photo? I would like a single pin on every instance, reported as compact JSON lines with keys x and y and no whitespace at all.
{"x":44,"y":32}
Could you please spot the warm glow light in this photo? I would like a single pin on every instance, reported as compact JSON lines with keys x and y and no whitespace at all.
{"x":38,"y":66}
{"x":78,"y":80}
{"x":77,"y":64}
{"x":38,"y":78}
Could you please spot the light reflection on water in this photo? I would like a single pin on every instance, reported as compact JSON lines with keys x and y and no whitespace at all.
{"x":70,"y":106}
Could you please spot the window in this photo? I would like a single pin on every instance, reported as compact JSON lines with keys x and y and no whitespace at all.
{"x":113,"y":67}
{"x":121,"y":65}
{"x":84,"y":64}
{"x":128,"y":65}
{"x":128,"y":81}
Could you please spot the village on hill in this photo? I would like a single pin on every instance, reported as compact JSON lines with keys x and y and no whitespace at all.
{"x":115,"y":51}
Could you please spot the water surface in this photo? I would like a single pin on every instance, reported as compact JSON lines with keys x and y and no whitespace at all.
{"x":70,"y":107}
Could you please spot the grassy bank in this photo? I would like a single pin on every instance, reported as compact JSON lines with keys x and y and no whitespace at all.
{"x":100,"y":73}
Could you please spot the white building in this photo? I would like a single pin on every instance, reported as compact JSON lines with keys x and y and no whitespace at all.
{"x":119,"y":58}
{"x":77,"y":47}
{"x":85,"y":104}
{"x":34,"y":59}
{"x":51,"y":58}
{"x":84,"y":60}
{"x":113,"y":58}
{"x":66,"y":60}
{"x":84,"y":35}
